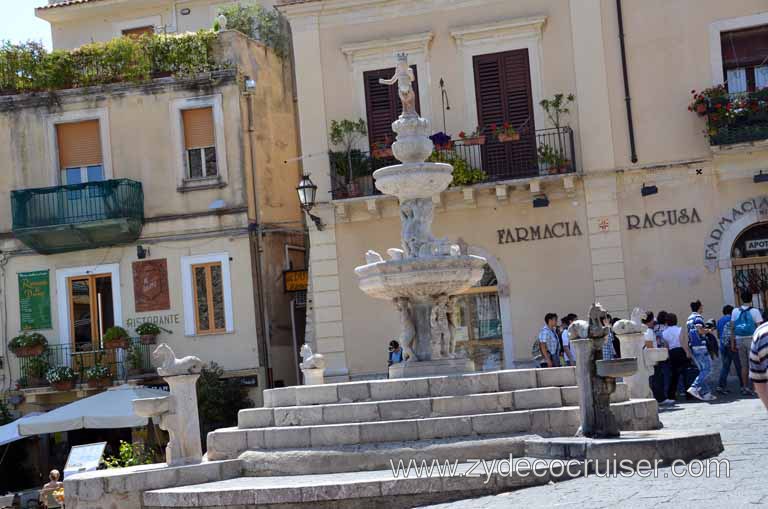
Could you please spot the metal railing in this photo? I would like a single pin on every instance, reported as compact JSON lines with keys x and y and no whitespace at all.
{"x":122,"y":363}
{"x":533,"y":153}
{"x":740,"y":134}
{"x":77,"y":203}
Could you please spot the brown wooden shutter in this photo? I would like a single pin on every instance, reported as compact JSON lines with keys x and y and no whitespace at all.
{"x":744,"y":48}
{"x":137,"y":32}
{"x":503,"y":93}
{"x":79,"y":144}
{"x":198,"y":128}
{"x":382,"y":104}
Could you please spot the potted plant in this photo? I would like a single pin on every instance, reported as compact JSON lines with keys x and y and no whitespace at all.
{"x":382,"y":149}
{"x":61,"y":378}
{"x":28,"y":344}
{"x":552,"y":161}
{"x":134,"y":361}
{"x":148,"y":333}
{"x":557,"y":106}
{"x":476,"y":137}
{"x":35,"y":369}
{"x":505,"y":133}
{"x":116,"y":337}
{"x":463,"y":173}
{"x":442,"y":141}
{"x":347,"y":134}
{"x":98,"y":376}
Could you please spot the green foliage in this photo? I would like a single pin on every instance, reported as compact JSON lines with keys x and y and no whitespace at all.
{"x":60,"y":374}
{"x":36,"y":366}
{"x":130,"y":455}
{"x":219,"y":399}
{"x":134,"y":357}
{"x":148,"y":329}
{"x":346,"y":133}
{"x":114,"y":333}
{"x":259,"y":23}
{"x":97,"y":372}
{"x":463,"y":173}
{"x":26,"y":340}
{"x":29,"y":67}
{"x":358,"y":160}
{"x":5,"y":414}
{"x":556,"y":107}
{"x":550,"y":156}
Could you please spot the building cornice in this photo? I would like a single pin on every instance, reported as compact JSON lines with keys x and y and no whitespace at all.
{"x":518,"y":27}
{"x":372,"y":49}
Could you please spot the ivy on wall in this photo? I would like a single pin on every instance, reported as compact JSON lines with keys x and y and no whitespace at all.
{"x":259,"y":23}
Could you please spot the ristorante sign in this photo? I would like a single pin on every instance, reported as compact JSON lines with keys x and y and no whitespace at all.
{"x":730,"y":223}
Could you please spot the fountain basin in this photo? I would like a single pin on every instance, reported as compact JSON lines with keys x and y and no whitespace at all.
{"x":420,"y":278}
{"x":655,"y":355}
{"x":617,"y":368}
{"x":409,"y":181}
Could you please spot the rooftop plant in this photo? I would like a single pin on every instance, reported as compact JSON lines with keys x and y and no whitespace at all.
{"x":29,"y":67}
{"x":257,"y":22}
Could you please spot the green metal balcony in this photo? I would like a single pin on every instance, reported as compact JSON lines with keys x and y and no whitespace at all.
{"x":78,"y":216}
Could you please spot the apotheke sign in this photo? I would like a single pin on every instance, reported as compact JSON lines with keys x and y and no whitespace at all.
{"x":757,"y":245}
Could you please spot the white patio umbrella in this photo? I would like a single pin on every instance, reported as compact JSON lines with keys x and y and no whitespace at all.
{"x":109,"y":409}
{"x":10,"y":432}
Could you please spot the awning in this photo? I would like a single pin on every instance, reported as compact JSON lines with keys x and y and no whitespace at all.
{"x":10,"y":432}
{"x":112,"y":408}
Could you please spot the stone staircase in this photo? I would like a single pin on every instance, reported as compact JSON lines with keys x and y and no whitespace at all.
{"x":360,"y":426}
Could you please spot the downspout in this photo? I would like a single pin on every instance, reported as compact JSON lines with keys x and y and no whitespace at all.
{"x":627,"y":98}
{"x":255,"y":230}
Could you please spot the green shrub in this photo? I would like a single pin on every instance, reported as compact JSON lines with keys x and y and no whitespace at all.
{"x":26,"y":340}
{"x":463,"y":173}
{"x":219,"y":399}
{"x":130,"y":455}
{"x":114,"y":333}
{"x":259,"y":23}
{"x":134,"y":357}
{"x":36,"y":367}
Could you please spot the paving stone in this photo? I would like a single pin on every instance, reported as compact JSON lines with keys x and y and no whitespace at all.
{"x":334,"y":434}
{"x":340,"y":491}
{"x":459,"y":385}
{"x":405,"y":409}
{"x":255,"y":418}
{"x":298,"y":416}
{"x":556,"y":377}
{"x":286,"y":438}
{"x":547,"y":397}
{"x":444,"y":427}
{"x":399,"y":389}
{"x":471,"y":404}
{"x":389,"y":431}
{"x":316,"y":394}
{"x":228,"y":442}
{"x":284,"y":396}
{"x":510,"y":422}
{"x":564,"y":421}
{"x":351,"y":412}
{"x":570,"y":396}
{"x":354,"y":391}
{"x":514,"y":379}
{"x":255,"y":439}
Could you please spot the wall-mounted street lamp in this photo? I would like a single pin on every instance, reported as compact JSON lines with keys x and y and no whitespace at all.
{"x":307,"y":191}
{"x":648,"y":190}
{"x":541,"y":201}
{"x":760,"y":177}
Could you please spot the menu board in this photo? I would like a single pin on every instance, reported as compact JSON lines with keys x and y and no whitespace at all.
{"x":35,"y":300}
{"x":84,"y":458}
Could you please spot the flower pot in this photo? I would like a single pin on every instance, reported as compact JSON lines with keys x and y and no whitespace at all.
{"x":64,"y":385}
{"x":148,"y":339}
{"x":565,"y":167}
{"x":98,"y":383}
{"x":381,"y":153}
{"x":29,"y":351}
{"x":505,"y":138}
{"x":477,"y":140}
{"x":701,"y":108}
{"x":36,"y":381}
{"x":353,"y":189}
{"x":445,"y":146}
{"x":111,"y":344}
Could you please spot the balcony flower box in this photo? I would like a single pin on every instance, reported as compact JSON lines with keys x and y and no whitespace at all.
{"x":382,"y":153}
{"x":64,"y":385}
{"x":28,"y":345}
{"x":148,"y":333}
{"x":98,"y":376}
{"x":116,"y":337}
{"x":505,"y":133}
{"x":477,"y":140}
{"x":61,"y":378}
{"x":506,"y":138}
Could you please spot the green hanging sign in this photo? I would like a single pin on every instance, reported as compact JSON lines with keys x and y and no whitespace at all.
{"x":35,"y":300}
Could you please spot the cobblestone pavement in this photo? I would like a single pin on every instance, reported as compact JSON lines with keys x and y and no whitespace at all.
{"x":742,"y":425}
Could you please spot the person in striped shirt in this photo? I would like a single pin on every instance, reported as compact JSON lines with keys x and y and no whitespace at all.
{"x":758,"y":363}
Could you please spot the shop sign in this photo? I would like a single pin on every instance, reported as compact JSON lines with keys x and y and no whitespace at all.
{"x":171,"y":319}
{"x":539,"y":232}
{"x":757,"y":245}
{"x":755,"y":209}
{"x":295,"y":280}
{"x":35,"y":300}
{"x":662,"y":218}
{"x":150,"y":285}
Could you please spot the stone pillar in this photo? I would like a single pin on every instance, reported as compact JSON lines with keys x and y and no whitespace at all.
{"x":186,"y":427}
{"x":585,"y":361}
{"x":313,"y":376}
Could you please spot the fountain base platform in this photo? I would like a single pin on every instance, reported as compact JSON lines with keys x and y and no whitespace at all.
{"x":437,"y":367}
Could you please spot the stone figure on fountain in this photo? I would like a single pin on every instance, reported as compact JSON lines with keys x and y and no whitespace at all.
{"x":407,"y":328}
{"x":403,"y":77}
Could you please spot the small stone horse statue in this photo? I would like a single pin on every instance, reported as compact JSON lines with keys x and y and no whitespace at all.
{"x":172,"y":366}
{"x":311,"y":360}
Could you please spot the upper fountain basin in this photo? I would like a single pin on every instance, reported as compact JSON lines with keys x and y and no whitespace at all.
{"x":410,"y":181}
{"x":617,"y":368}
{"x":419,"y":278}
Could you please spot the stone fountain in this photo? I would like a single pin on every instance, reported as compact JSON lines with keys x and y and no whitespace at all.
{"x":421,"y":277}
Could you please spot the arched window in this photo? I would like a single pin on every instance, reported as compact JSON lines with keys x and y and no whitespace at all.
{"x":477,"y":323}
{"x":750,"y":264}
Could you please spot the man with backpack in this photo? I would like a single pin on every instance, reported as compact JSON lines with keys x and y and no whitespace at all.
{"x":745,"y":320}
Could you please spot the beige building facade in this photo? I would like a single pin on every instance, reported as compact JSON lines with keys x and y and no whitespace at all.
{"x":169,"y":202}
{"x":650,"y":212}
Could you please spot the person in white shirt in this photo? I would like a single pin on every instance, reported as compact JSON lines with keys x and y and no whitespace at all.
{"x":676,"y":338}
{"x":570,"y":358}
{"x":744,"y":342}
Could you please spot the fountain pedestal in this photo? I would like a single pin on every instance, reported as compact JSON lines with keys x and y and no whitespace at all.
{"x":633,"y":345}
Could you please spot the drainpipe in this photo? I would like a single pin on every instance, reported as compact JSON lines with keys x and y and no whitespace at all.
{"x":627,"y":98}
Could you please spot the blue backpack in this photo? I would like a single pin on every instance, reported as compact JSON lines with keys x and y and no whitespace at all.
{"x":744,"y":324}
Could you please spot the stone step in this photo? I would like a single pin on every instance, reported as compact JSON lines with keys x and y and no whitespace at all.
{"x":437,"y":406}
{"x":380,"y":456}
{"x":413,"y":388}
{"x":229,"y":443}
{"x":362,"y":489}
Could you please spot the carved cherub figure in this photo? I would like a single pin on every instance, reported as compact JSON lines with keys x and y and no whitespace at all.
{"x":407,"y":328}
{"x":404,"y":77}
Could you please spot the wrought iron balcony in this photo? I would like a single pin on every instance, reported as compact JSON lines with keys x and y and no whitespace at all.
{"x":135,"y":362}
{"x":79,"y":216}
{"x":531,"y":154}
{"x":729,"y":135}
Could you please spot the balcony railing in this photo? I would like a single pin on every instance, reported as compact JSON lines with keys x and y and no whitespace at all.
{"x":543,"y":152}
{"x":80,"y":216}
{"x":740,"y":133}
{"x":123,"y":364}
